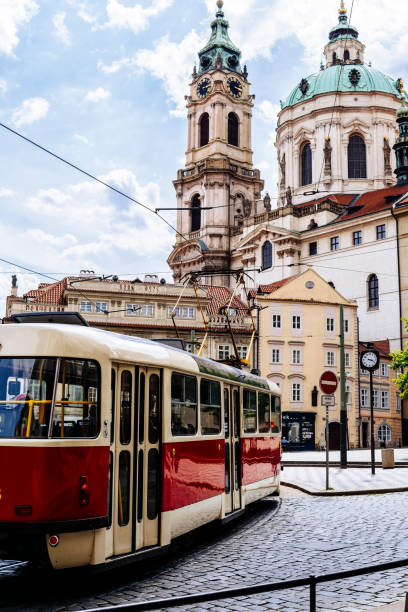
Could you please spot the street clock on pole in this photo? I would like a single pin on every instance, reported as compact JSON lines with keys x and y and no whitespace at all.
{"x":369,"y":360}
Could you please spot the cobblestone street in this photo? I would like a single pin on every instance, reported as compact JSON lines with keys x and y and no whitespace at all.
{"x":306,"y":536}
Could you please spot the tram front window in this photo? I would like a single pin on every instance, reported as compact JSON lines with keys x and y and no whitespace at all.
{"x":29,"y":408}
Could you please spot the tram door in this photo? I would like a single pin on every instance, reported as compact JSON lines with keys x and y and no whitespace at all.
{"x":136,"y":470}
{"x":232,"y":413}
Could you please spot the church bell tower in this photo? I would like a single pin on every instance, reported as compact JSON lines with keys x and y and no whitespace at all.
{"x":218,"y":188}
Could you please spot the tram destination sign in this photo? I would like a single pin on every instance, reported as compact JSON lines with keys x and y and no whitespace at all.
{"x":328,"y":400}
{"x":328,"y":382}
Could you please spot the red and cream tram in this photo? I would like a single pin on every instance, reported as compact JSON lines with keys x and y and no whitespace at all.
{"x":112,"y":446}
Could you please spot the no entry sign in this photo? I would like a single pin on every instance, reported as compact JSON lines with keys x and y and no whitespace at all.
{"x":328,"y":382}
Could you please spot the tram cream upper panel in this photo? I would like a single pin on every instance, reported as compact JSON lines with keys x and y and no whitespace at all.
{"x":45,"y":340}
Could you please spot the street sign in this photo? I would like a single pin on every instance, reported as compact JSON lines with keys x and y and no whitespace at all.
{"x":328,"y":400}
{"x":328,"y":382}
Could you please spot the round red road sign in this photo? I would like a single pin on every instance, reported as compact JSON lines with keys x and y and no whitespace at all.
{"x":328,"y":382}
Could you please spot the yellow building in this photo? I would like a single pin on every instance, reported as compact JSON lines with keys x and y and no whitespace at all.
{"x":299,"y":340}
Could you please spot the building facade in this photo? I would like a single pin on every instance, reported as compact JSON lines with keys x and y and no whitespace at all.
{"x":145,"y":309}
{"x":299,"y":341}
{"x":218,"y":188}
{"x":337,"y":127}
{"x":386,"y":402}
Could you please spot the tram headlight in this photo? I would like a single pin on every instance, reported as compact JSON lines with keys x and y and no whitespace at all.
{"x":83,"y":491}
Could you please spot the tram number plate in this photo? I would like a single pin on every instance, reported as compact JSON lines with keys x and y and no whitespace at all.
{"x":328,"y":400}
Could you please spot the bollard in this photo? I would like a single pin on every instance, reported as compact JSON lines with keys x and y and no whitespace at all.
{"x":387,"y":458}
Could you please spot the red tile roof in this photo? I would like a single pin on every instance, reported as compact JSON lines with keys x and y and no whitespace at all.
{"x":336,"y":198}
{"x":220,"y":297}
{"x":271,"y":287}
{"x":49,"y":293}
{"x":373,"y":201}
{"x":382,"y":346}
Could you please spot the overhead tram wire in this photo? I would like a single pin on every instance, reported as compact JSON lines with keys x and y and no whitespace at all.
{"x":95,"y":178}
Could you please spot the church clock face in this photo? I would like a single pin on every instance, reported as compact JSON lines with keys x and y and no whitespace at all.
{"x":204,"y":88}
{"x":234,"y":87}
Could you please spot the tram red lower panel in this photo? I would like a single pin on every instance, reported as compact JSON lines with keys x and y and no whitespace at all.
{"x":192,"y":472}
{"x":260,"y":459}
{"x":48,"y":478}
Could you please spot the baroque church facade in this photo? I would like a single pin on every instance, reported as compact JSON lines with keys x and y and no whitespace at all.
{"x":337,"y":187}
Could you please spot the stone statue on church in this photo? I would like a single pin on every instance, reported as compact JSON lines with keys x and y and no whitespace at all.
{"x":267,"y":202}
{"x":247,"y":208}
{"x":387,"y":157}
{"x":282,"y":163}
{"x":327,"y":157}
{"x":289,"y":197}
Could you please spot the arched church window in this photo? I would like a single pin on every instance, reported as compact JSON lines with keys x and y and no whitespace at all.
{"x":233,"y":130}
{"x":357,"y":165}
{"x":306,"y":161}
{"x":373,"y":291}
{"x":204,"y":129}
{"x":266,"y":255}
{"x":196,"y":213}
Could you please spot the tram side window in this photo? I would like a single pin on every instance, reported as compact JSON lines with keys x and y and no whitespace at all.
{"x":210,"y":407}
{"x":263,"y":412}
{"x":183,"y":405}
{"x":77,"y":405}
{"x":249,"y":411}
{"x":126,"y":407}
{"x":276,"y":414}
{"x":124,"y":488}
{"x":26,"y":391}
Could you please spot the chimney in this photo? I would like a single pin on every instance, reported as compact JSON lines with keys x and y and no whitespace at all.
{"x":14,"y":287}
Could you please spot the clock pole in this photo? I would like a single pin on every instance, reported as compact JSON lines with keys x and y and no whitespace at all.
{"x":372,"y":423}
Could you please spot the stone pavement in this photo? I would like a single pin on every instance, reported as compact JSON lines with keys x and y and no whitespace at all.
{"x":313,"y":478}
{"x":309,"y":535}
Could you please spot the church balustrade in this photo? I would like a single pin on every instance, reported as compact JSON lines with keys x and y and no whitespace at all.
{"x":195,"y":235}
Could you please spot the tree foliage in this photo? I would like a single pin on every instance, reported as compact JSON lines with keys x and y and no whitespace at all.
{"x":400,"y":364}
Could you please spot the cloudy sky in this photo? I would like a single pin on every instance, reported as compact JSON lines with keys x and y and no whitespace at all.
{"x":102,"y":83}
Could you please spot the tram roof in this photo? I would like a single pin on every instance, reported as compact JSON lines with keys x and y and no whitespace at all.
{"x":51,"y":340}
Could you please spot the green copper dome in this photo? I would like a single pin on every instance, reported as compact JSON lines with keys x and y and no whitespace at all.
{"x":220,"y":50}
{"x":349,"y":78}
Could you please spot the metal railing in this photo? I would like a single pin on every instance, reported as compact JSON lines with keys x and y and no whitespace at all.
{"x":267,"y":587}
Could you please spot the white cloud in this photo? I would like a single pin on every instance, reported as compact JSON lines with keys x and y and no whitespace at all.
{"x":105,"y":233}
{"x":170,"y":62}
{"x":258,"y":25}
{"x":267,"y":111}
{"x":61,"y":30}
{"x":82,"y":139}
{"x":31,"y":110}
{"x":6,"y":193}
{"x":134,"y":17}
{"x":3,"y":86}
{"x":83,"y":14}
{"x":14,"y":15}
{"x":97,"y":95}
